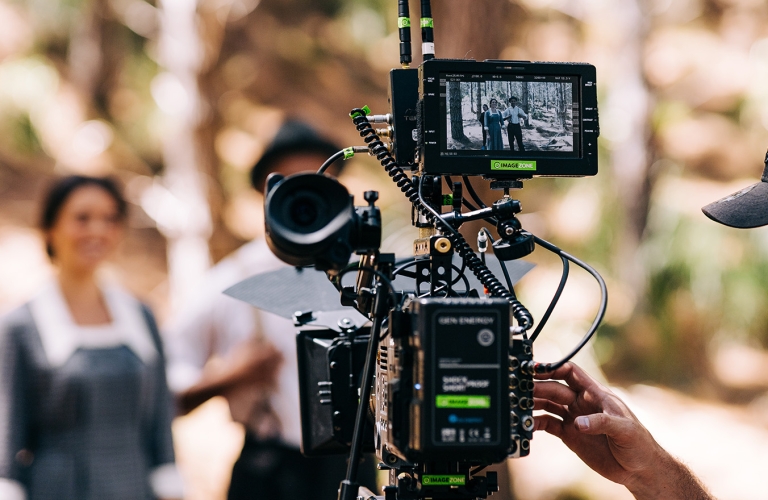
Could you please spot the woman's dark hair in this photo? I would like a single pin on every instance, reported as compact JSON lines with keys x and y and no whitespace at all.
{"x":63,"y":188}
{"x":494,"y":100}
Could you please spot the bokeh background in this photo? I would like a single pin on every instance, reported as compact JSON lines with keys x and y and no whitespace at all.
{"x":178,"y":99}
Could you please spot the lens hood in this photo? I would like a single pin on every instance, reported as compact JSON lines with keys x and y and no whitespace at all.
{"x":308,"y":218}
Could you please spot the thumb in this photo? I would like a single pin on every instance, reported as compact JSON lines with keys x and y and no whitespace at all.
{"x":599,"y":423}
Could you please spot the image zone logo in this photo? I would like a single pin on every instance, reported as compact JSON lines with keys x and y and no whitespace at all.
{"x":513,"y":165}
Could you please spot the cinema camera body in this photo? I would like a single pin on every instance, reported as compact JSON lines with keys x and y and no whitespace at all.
{"x":439,"y":383}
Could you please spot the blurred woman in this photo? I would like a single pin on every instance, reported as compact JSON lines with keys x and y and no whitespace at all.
{"x":493,"y":126}
{"x":85,"y":413}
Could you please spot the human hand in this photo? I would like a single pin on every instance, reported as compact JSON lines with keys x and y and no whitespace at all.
{"x":594,"y":424}
{"x":257,"y":362}
{"x":599,"y":427}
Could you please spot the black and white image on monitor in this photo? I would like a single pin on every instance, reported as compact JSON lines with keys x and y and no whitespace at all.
{"x":514,"y":116}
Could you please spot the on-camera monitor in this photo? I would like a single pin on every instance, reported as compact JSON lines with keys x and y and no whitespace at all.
{"x":503,"y":119}
{"x":510,"y":114}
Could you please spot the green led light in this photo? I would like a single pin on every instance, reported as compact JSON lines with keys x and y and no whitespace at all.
{"x":462,"y":401}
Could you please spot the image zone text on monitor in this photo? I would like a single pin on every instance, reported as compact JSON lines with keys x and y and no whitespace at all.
{"x":510,"y":115}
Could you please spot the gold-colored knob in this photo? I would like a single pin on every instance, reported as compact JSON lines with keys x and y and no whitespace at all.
{"x":443,"y":245}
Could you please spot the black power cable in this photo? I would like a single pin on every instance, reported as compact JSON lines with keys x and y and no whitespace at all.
{"x":466,"y":203}
{"x":345,"y":154}
{"x":555,"y":299}
{"x":382,"y":277}
{"x":550,"y":367}
{"x":501,"y":263}
{"x":460,"y":245}
{"x":472,"y":192}
{"x":330,"y":161}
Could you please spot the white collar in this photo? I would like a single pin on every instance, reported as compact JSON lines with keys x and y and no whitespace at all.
{"x":59,"y":332}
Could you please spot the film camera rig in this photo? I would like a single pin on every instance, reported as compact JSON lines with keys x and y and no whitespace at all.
{"x":440,"y":383}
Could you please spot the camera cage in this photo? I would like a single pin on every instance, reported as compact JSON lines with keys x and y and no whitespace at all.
{"x":407,"y":324}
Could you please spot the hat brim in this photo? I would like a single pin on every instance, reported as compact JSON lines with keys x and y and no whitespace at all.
{"x":744,"y":209}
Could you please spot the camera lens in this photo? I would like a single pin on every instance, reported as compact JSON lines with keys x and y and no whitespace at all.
{"x":303,"y":212}
{"x":309,"y":218}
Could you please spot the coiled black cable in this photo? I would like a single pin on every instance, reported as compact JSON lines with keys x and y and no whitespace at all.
{"x":460,"y":245}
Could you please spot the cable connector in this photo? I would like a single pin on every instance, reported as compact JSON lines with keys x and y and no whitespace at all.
{"x":381,"y":118}
{"x":482,"y":241}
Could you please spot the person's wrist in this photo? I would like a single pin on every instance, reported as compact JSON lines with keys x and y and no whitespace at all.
{"x":648,"y":481}
{"x":665,"y":477}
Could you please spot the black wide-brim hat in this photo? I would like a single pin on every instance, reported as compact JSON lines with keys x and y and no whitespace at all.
{"x":294,"y":137}
{"x":743,"y":209}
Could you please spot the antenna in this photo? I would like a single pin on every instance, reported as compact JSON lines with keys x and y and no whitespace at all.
{"x":427,"y":32}
{"x":404,"y":25}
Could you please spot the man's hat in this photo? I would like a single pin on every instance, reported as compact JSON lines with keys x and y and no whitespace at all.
{"x":293,"y":137}
{"x":743,"y":209}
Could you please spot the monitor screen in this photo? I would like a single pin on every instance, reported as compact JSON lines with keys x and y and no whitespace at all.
{"x":505,"y":114}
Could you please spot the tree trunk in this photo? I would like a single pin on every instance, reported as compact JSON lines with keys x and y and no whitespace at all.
{"x":457,"y":118}
{"x":526,"y":103}
{"x":479,"y":101}
{"x":189,"y":227}
{"x":631,"y":156}
{"x":462,"y":28}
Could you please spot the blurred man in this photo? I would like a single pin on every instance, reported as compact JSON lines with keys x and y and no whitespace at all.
{"x":220,"y":346}
{"x":598,"y":426}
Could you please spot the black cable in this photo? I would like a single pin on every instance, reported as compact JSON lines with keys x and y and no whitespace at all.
{"x":405,"y":266}
{"x":461,"y":272}
{"x":549,"y":367}
{"x":472,"y":192}
{"x":477,"y":470}
{"x":460,"y":245}
{"x":460,"y":275}
{"x":382,"y":277}
{"x":348,"y":487}
{"x":502,"y":264}
{"x":331,"y":160}
{"x":553,"y":303}
{"x":466,"y":203}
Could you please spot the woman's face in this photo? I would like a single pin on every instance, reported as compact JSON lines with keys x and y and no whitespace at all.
{"x":493,"y":104}
{"x":87,"y":229}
